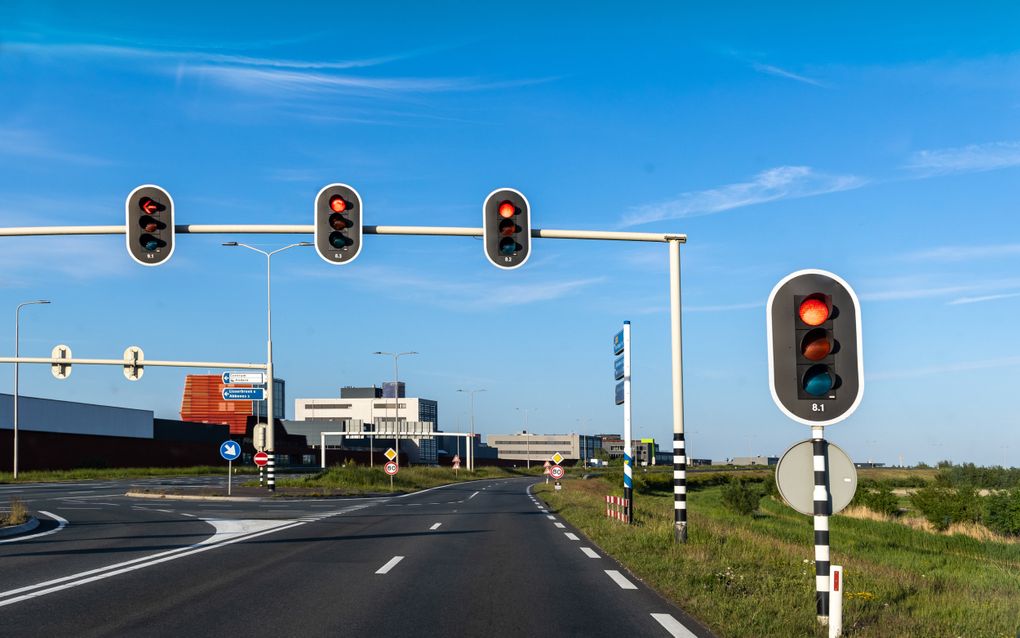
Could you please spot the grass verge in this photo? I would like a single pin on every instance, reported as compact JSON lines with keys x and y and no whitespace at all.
{"x":112,"y":473}
{"x":754,"y":576}
{"x":358,"y":479}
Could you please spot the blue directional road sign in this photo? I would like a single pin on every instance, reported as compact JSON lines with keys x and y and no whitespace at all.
{"x":619,"y":393}
{"x":618,"y":364}
{"x":618,"y":342}
{"x":244,"y":394}
{"x":230,"y":450}
{"x":243,"y":377}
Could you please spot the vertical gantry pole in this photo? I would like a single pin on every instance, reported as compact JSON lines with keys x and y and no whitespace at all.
{"x":822,"y":509}
{"x":679,"y":451}
{"x":628,"y":446}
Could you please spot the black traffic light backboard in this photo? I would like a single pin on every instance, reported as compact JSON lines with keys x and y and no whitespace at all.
{"x":149,"y":221}
{"x":338,"y":223}
{"x":506,"y":228}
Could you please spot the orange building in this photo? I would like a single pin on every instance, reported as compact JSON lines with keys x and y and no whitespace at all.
{"x":203,"y":402}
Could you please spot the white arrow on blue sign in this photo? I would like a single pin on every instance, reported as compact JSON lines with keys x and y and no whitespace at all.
{"x":230,"y":450}
{"x":243,"y":377}
{"x":244,"y":394}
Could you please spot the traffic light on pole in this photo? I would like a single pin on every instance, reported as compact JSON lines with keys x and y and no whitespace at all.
{"x":338,"y":221}
{"x":506,"y":228}
{"x":816,"y":371}
{"x":149,"y":219}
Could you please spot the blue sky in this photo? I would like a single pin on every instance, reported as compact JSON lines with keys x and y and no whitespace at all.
{"x":882,"y":145}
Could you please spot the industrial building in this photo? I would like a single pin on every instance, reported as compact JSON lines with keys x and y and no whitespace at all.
{"x":526,"y":446}
{"x":203,"y":402}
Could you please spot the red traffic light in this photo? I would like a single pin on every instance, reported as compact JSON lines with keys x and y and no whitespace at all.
{"x":813,"y":311}
{"x":507,"y":210}
{"x":150,"y":206}
{"x":337,"y":204}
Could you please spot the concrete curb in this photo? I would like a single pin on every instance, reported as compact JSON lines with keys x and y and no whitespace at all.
{"x":193,"y":497}
{"x":20,"y":529}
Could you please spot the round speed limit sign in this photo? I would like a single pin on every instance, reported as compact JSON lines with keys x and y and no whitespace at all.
{"x":391,"y":468}
{"x":556,"y":472}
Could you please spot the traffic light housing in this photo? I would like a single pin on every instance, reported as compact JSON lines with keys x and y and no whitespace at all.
{"x":506,"y":228}
{"x":816,"y":370}
{"x":149,"y":221}
{"x":338,"y":223}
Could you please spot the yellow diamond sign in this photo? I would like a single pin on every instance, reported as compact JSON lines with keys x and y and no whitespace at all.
{"x":391,"y":454}
{"x":557,"y":458}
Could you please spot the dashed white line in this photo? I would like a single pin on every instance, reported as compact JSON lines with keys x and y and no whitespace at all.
{"x":550,"y":517}
{"x":589,"y":552}
{"x":190,"y":515}
{"x":389,"y":565}
{"x":673,"y":626}
{"x":436,"y":526}
{"x":620,"y":580}
{"x":571,"y":536}
{"x":472,"y":496}
{"x":560,"y":525}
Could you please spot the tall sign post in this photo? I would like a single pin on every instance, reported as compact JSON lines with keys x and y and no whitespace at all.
{"x":816,"y":376}
{"x":621,"y":348}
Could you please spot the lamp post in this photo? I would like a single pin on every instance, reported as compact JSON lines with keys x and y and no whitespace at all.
{"x":17,"y":343}
{"x":270,"y":437}
{"x":527,"y":439}
{"x":471,"y":449}
{"x":396,"y":399}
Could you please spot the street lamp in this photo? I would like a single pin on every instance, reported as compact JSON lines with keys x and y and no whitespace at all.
{"x":270,"y":438}
{"x":471,"y":448}
{"x":396,"y":398}
{"x":17,"y":342}
{"x":527,"y":439}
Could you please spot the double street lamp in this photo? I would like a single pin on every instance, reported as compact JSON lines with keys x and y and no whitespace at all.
{"x":471,"y":448}
{"x":17,"y":345}
{"x":396,"y":398}
{"x":270,"y":438}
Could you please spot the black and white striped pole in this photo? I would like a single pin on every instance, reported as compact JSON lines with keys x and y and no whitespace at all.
{"x":822,"y":511}
{"x":679,"y":450}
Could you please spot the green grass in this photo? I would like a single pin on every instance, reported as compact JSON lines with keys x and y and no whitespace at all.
{"x":112,"y":473}
{"x":753,"y":576}
{"x":359,"y":479}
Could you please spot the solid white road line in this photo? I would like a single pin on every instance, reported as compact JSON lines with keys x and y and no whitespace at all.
{"x":61,"y":524}
{"x":390,"y":565}
{"x":589,"y":552}
{"x":571,"y":536}
{"x":559,"y":525}
{"x":620,"y":580}
{"x":436,"y":526}
{"x":472,"y":496}
{"x":673,"y":626}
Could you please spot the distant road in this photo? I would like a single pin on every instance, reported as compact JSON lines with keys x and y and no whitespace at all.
{"x":472,"y":559}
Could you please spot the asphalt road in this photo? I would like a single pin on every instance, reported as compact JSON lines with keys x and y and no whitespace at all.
{"x":474,"y":559}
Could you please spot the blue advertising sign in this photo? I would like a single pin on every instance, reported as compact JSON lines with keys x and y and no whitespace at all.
{"x":244,"y":394}
{"x":618,"y":342}
{"x":619,"y":393}
{"x":230,"y":450}
{"x":618,"y":364}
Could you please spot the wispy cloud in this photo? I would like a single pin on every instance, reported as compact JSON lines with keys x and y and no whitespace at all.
{"x":967,"y":300}
{"x":782,"y":182}
{"x":783,"y":73}
{"x":24,"y":142}
{"x":965,"y":159}
{"x":923,"y":288}
{"x":960,"y":366}
{"x":726,"y":307}
{"x":944,"y":254}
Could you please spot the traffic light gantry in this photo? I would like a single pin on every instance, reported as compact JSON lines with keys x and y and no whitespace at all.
{"x":816,"y":371}
{"x":149,"y":221}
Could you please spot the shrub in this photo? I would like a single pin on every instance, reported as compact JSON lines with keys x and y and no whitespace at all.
{"x":17,"y":514}
{"x":1002,"y":513}
{"x":879,"y":499}
{"x":943,"y":506}
{"x":740,"y":496}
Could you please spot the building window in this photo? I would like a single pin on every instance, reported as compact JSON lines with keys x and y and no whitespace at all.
{"x":307,"y":459}
{"x":327,"y":406}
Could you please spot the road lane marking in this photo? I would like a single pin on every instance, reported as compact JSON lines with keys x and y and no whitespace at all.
{"x":589,"y":552}
{"x":61,"y":524}
{"x":472,"y":496}
{"x":191,"y":515}
{"x":673,"y":626}
{"x":620,"y":580}
{"x":436,"y":526}
{"x":390,"y":565}
{"x":550,"y":517}
{"x":560,"y":525}
{"x":571,"y":536}
{"x":147,"y":561}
